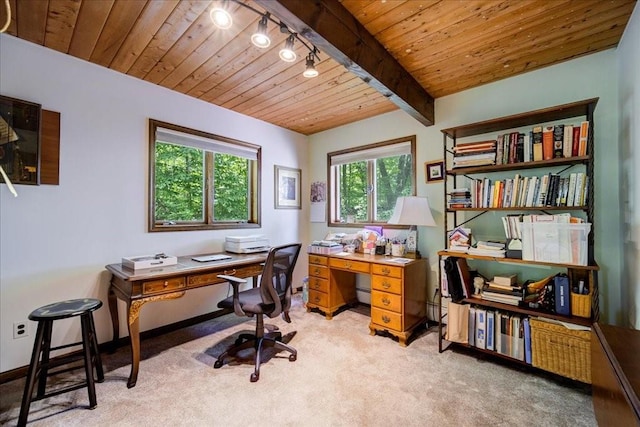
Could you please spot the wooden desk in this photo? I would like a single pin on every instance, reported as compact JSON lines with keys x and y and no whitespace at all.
{"x":615,"y":375}
{"x":398,"y":291}
{"x":139,"y":287}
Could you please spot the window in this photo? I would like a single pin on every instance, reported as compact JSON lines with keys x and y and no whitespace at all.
{"x":200,"y":181}
{"x":364,"y":182}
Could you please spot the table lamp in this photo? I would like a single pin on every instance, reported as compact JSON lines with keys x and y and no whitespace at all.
{"x":412,"y":211}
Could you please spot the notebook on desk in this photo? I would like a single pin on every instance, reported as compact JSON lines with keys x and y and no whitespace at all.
{"x":207,"y":258}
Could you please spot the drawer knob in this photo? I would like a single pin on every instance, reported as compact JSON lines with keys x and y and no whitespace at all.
{"x":386,"y":319}
{"x":317,"y":271}
{"x":317,"y":299}
{"x":166,"y":283}
{"x":386,"y":284}
{"x":348,"y":265}
{"x":316,"y":285}
{"x":386,"y":301}
{"x":385,"y":270}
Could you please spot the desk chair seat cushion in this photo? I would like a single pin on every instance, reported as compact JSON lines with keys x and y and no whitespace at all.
{"x":250,"y":302}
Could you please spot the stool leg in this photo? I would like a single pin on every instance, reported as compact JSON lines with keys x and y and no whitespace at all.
{"x":31,"y":375}
{"x":88,"y":361}
{"x":44,"y":361}
{"x":96,"y":352}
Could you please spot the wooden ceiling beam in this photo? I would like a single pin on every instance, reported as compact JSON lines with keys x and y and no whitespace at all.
{"x":332,"y":29}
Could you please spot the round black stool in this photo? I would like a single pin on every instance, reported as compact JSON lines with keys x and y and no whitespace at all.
{"x":40,"y":363}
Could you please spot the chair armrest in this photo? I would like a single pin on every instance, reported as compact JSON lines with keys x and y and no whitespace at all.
{"x":235,"y":282}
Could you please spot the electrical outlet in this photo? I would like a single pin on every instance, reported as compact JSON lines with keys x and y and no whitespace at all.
{"x":20,"y":330}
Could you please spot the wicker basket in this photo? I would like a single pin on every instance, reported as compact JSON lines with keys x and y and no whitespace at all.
{"x":581,"y":305}
{"x":560,"y":350}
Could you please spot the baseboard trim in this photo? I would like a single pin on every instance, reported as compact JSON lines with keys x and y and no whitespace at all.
{"x":21,"y":372}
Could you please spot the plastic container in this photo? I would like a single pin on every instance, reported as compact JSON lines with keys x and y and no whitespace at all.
{"x":555,"y":242}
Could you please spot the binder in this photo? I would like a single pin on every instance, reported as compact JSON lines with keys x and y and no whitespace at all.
{"x":472,"y":326}
{"x":481,"y":327}
{"x":527,"y":340}
{"x":490,"y":330}
{"x":561,"y":291}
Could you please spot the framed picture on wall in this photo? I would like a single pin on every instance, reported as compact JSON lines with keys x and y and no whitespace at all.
{"x":20,"y":140}
{"x":434,"y":171}
{"x":287,"y":188}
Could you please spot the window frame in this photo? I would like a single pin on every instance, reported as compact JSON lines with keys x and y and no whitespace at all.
{"x":255,"y":208}
{"x":332,"y":190}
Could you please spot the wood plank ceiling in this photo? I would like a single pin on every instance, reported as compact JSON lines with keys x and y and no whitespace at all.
{"x":446,"y":45}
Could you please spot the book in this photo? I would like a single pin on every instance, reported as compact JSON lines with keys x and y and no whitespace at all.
{"x":575,"y":140}
{"x":567,"y":143}
{"x":584,"y":135}
{"x":571,"y":192}
{"x":506,"y":279}
{"x":547,"y":143}
{"x":536,"y":143}
{"x":558,"y":141}
{"x":465,"y":277}
{"x":527,"y":340}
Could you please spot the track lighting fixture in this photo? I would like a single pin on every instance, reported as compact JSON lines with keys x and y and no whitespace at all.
{"x":311,"y":67}
{"x":222,"y":19}
{"x":286,"y":53}
{"x":260,"y":38}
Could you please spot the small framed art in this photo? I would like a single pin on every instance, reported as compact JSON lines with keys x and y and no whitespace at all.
{"x":434,"y":171}
{"x":287,"y":188}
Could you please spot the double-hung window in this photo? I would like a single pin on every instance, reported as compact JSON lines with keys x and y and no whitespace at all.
{"x":364,"y":182}
{"x":200,"y":181}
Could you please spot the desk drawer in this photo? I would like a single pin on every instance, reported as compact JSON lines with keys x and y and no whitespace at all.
{"x":387,"y":319}
{"x":318,"y":259}
{"x":386,"y":300}
{"x":203,"y":279}
{"x":318,"y":271}
{"x":318,"y":284}
{"x":318,"y":298}
{"x":350,"y":265}
{"x":156,"y":286}
{"x":386,"y":270}
{"x":386,"y":284}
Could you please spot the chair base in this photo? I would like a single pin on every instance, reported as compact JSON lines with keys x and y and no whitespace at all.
{"x":246,"y":341}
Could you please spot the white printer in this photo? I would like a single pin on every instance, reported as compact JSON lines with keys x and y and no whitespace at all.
{"x":246,"y":244}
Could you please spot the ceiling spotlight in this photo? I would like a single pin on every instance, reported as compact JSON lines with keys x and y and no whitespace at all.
{"x":311,"y":67}
{"x":260,"y":37}
{"x":221,"y":18}
{"x":286,"y":53}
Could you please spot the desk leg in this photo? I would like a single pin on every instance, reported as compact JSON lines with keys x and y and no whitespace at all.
{"x":133,"y":309}
{"x":113,"y":309}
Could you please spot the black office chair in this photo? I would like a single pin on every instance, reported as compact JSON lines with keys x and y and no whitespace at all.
{"x":271,"y":298}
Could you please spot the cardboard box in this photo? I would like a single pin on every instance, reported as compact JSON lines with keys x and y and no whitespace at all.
{"x":148,"y":261}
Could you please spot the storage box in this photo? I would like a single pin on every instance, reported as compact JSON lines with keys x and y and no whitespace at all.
{"x":148,"y":261}
{"x":555,"y":242}
{"x":581,"y":305}
{"x":558,"y":349}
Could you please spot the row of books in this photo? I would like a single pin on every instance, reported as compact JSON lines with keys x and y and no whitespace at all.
{"x":460,"y":198}
{"x":541,"y":143}
{"x":536,"y":191}
{"x":505,"y":333}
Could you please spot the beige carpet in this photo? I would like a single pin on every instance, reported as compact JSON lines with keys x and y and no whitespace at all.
{"x":343,"y":377}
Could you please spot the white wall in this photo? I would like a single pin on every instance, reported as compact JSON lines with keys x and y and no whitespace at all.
{"x":56,"y":240}
{"x":588,"y":77}
{"x":629,"y":135}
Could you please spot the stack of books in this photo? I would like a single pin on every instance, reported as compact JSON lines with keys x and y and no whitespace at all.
{"x":474,"y":154}
{"x":460,"y":239}
{"x":485,"y":248}
{"x":504,"y":289}
{"x":324,"y":247}
{"x":459,"y":198}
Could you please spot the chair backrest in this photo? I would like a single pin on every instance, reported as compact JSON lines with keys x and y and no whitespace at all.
{"x":276,"y":280}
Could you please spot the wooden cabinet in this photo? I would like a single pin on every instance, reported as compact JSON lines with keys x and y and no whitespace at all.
{"x":398,"y":292}
{"x":471,"y":216}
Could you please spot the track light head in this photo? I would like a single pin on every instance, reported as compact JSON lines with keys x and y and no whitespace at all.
{"x":286,"y":53}
{"x":221,"y":18}
{"x":311,"y":71}
{"x":260,"y":38}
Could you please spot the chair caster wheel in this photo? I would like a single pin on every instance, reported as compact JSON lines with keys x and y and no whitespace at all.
{"x":217,"y":364}
{"x":292,"y":357}
{"x":254,"y":377}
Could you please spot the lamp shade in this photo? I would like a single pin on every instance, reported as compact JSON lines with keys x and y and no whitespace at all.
{"x":412,"y":210}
